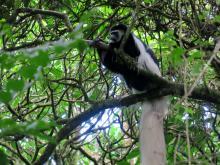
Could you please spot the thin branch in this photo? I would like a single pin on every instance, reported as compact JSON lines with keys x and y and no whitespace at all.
{"x":87,"y":155}
{"x":170,"y":89}
{"x":43,"y":12}
{"x":216,"y":50}
{"x":161,"y":88}
{"x":20,"y":155}
{"x":134,"y":18}
{"x":14,"y":113}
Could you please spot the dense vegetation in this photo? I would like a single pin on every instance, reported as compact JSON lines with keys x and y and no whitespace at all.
{"x":58,"y":104}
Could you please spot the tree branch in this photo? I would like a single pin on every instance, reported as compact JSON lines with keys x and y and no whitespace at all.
{"x":161,"y":88}
{"x":43,"y":12}
{"x":170,"y":89}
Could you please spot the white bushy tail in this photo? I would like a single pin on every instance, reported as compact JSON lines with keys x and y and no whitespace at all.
{"x":152,"y":143}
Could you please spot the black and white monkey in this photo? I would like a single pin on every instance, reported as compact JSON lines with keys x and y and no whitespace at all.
{"x":152,"y":141}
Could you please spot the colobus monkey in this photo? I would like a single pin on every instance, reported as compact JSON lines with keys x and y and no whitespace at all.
{"x":152,"y":142}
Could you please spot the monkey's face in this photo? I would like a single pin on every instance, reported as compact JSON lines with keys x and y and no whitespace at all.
{"x":116,"y":36}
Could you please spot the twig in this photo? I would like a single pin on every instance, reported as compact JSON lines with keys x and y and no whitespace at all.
{"x":170,"y":88}
{"x":217,"y":47}
{"x":134,"y":17}
{"x":43,"y":12}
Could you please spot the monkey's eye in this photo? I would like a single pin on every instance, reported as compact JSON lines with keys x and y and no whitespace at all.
{"x":115,"y":36}
{"x":114,"y":32}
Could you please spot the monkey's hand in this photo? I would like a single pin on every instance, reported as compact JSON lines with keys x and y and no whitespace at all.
{"x":99,"y":44}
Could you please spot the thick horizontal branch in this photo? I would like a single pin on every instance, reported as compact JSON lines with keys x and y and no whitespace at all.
{"x":25,"y":45}
{"x":170,"y":89}
{"x":92,"y":111}
{"x":163,"y":88}
{"x":43,"y":12}
{"x":128,"y":63}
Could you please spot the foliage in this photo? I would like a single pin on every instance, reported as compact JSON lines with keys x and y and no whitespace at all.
{"x":49,"y":75}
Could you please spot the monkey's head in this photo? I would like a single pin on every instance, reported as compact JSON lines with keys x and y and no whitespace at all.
{"x":117,"y":32}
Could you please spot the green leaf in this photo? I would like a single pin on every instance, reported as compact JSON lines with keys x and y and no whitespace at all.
{"x":189,"y":111}
{"x":56,"y":72}
{"x":28,"y":71}
{"x":5,"y":97}
{"x":44,"y":137}
{"x":9,"y":127}
{"x":123,"y":162}
{"x":6,"y":29}
{"x":15,"y":85}
{"x":217,"y":18}
{"x":59,"y":49}
{"x":44,"y":22}
{"x":3,"y":58}
{"x":95,"y":93}
{"x":39,"y":125}
{"x":6,"y":122}
{"x":195,"y":55}
{"x":87,"y":15}
{"x":42,"y":59}
{"x":138,"y":161}
{"x":79,"y":44}
{"x":134,"y":153}
{"x":7,"y":61}
{"x":176,"y":55}
{"x":196,"y":68}
{"x":3,"y":158}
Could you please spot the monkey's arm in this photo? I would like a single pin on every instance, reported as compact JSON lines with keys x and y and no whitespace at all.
{"x":131,"y":76}
{"x":109,"y":60}
{"x":106,"y":54}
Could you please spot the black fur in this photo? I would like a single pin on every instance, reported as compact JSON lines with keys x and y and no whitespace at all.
{"x":108,"y":59}
{"x":119,"y":27}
